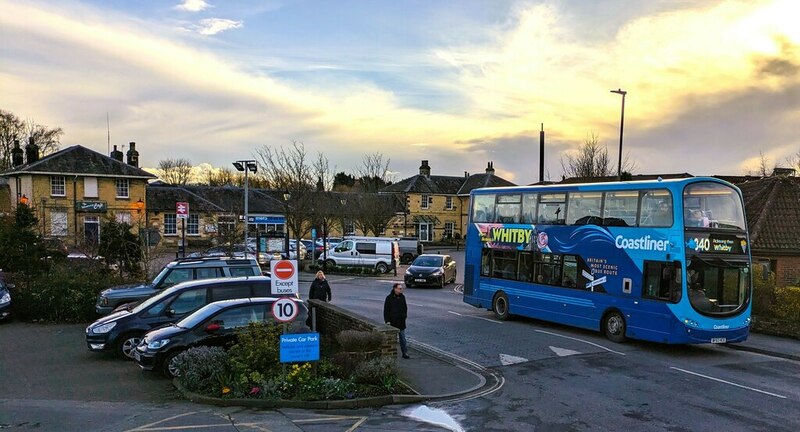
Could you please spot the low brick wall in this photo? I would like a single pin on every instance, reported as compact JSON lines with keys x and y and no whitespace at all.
{"x":332,"y":319}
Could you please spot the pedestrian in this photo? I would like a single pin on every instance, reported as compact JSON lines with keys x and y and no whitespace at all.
{"x":395,"y":312}
{"x":320,"y":290}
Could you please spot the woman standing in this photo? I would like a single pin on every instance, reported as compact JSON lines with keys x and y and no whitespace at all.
{"x":320,"y":290}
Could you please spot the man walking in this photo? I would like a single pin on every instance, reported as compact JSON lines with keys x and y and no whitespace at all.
{"x":395,"y":312}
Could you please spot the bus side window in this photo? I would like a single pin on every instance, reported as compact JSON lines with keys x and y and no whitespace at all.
{"x":486,"y":262}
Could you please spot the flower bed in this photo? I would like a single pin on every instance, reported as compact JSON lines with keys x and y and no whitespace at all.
{"x":251,"y":370}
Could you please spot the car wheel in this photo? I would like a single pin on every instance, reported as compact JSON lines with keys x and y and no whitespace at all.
{"x":614,"y":327}
{"x":127,"y":343}
{"x":500,"y":306}
{"x":407,"y":258}
{"x":382,"y":268}
{"x":168,"y":367}
{"x":330,"y":263}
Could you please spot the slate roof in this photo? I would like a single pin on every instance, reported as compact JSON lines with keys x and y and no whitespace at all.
{"x":435,"y":184}
{"x":772,"y":205}
{"x":231,"y":198}
{"x":476,"y":181}
{"x":80,"y":160}
{"x":163,"y":198}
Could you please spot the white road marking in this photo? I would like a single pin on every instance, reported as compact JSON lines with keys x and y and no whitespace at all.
{"x":417,"y":304}
{"x":474,"y":316}
{"x":728,"y":382}
{"x":145,"y":427}
{"x":507,"y":359}
{"x":563,"y":352}
{"x":581,"y":340}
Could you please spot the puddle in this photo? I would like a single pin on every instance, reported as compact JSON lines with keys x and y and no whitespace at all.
{"x":433,"y":416}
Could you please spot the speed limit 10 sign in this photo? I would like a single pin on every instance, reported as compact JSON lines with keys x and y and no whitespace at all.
{"x":285,"y":310}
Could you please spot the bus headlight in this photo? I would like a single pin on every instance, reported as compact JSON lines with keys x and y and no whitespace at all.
{"x":691,"y":323}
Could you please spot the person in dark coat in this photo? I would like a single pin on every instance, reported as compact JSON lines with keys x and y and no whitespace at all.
{"x":320,"y":290}
{"x":395,"y":312}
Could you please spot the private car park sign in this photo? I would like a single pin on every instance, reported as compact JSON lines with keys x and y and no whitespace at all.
{"x":284,"y":276}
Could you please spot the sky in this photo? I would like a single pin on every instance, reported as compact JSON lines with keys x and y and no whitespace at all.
{"x":711,"y":84}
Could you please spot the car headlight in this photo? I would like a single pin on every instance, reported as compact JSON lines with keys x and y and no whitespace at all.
{"x":157,"y":344}
{"x":104,"y":328}
{"x":6,"y":298}
{"x":103,"y":301}
{"x":408,"y":272}
{"x":438,"y":272}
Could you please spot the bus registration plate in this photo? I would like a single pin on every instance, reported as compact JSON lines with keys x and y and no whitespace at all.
{"x":719,"y":340}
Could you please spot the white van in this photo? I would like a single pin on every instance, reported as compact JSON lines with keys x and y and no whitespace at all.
{"x":379,"y":253}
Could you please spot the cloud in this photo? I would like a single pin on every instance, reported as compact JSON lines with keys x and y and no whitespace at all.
{"x":192,"y":6}
{"x":212,"y":26}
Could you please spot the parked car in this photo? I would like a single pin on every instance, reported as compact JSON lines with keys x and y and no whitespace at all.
{"x":55,"y":247}
{"x":5,"y":297}
{"x":235,"y":251}
{"x":410,"y":248}
{"x":373,"y":252}
{"x":293,"y":250}
{"x":122,"y":331}
{"x":213,"y":325}
{"x":431,"y":270}
{"x":175,"y":272}
{"x":319,"y":246}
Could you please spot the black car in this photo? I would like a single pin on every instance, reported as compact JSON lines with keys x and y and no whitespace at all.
{"x":213,"y":325}
{"x":5,"y":298}
{"x":431,"y":270}
{"x":121,"y":331}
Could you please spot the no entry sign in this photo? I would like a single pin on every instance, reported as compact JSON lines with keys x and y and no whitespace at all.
{"x":284,"y":277}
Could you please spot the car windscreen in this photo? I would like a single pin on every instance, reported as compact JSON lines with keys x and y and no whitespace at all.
{"x":427,"y":261}
{"x":198,"y":316}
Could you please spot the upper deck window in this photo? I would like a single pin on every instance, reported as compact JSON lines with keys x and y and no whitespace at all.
{"x":509,"y":208}
{"x":656,"y":209}
{"x":551,"y":208}
{"x":712,"y":205}
{"x":483,"y":208}
{"x":585,"y":208}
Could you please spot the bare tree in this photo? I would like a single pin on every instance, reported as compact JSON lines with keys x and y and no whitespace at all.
{"x":175,"y":171}
{"x":13,"y":128}
{"x":323,"y":173}
{"x":591,"y":161}
{"x":373,"y":173}
{"x":793,"y":161}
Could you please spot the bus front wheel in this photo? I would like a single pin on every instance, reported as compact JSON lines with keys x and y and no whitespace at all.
{"x":500,"y":306}
{"x":614,"y":326}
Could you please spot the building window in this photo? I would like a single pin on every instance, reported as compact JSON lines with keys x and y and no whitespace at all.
{"x":448,"y":229}
{"x":123,"y":186}
{"x":170,"y":224}
{"x":123,"y":217}
{"x":58,"y":186}
{"x":425,"y":201}
{"x":349,"y":228}
{"x":448,"y":203}
{"x":90,"y":187}
{"x":58,"y":223}
{"x":193,"y":225}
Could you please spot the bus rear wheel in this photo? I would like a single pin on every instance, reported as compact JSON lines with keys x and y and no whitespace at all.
{"x":614,"y":326}
{"x":500,"y":306}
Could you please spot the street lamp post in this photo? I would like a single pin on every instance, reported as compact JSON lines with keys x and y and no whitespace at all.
{"x":286,"y":197}
{"x":621,"y":124}
{"x":246,"y":165}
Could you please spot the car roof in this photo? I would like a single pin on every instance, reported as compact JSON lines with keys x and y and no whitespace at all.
{"x":433,"y":255}
{"x":209,"y":261}
{"x":217,"y":281}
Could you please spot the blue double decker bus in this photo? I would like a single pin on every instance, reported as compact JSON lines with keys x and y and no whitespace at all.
{"x":665,"y":261}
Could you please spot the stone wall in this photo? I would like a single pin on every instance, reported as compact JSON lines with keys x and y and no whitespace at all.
{"x":332,"y":319}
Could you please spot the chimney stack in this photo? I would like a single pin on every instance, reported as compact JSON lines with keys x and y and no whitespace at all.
{"x":116,"y":154}
{"x":490,"y":168}
{"x":133,"y":155}
{"x":466,"y":174}
{"x":31,"y":151}
{"x":425,"y":169}
{"x":17,"y":155}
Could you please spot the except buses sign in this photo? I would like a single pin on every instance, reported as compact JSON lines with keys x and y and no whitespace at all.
{"x":284,"y":276}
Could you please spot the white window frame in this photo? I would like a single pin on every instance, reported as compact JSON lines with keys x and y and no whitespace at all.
{"x":123,"y":187}
{"x":193,"y":224}
{"x":449,"y":227}
{"x":349,"y":228}
{"x":58,"y":223}
{"x":173,"y":224}
{"x":448,"y":203}
{"x":58,"y":186}
{"x":424,"y":202}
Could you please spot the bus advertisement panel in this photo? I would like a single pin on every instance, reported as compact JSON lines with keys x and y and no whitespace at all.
{"x":623,"y":258}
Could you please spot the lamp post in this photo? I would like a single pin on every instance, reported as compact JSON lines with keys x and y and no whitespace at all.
{"x":621,"y":124}
{"x":246,"y":165}
{"x":286,"y":197}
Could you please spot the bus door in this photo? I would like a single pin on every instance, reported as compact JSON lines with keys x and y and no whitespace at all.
{"x":661,"y":284}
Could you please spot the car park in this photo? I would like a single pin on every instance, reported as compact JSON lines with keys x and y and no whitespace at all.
{"x":214,"y":325}
{"x":121,"y":331}
{"x":5,"y":298}
{"x":431,"y":270}
{"x":175,"y":272}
